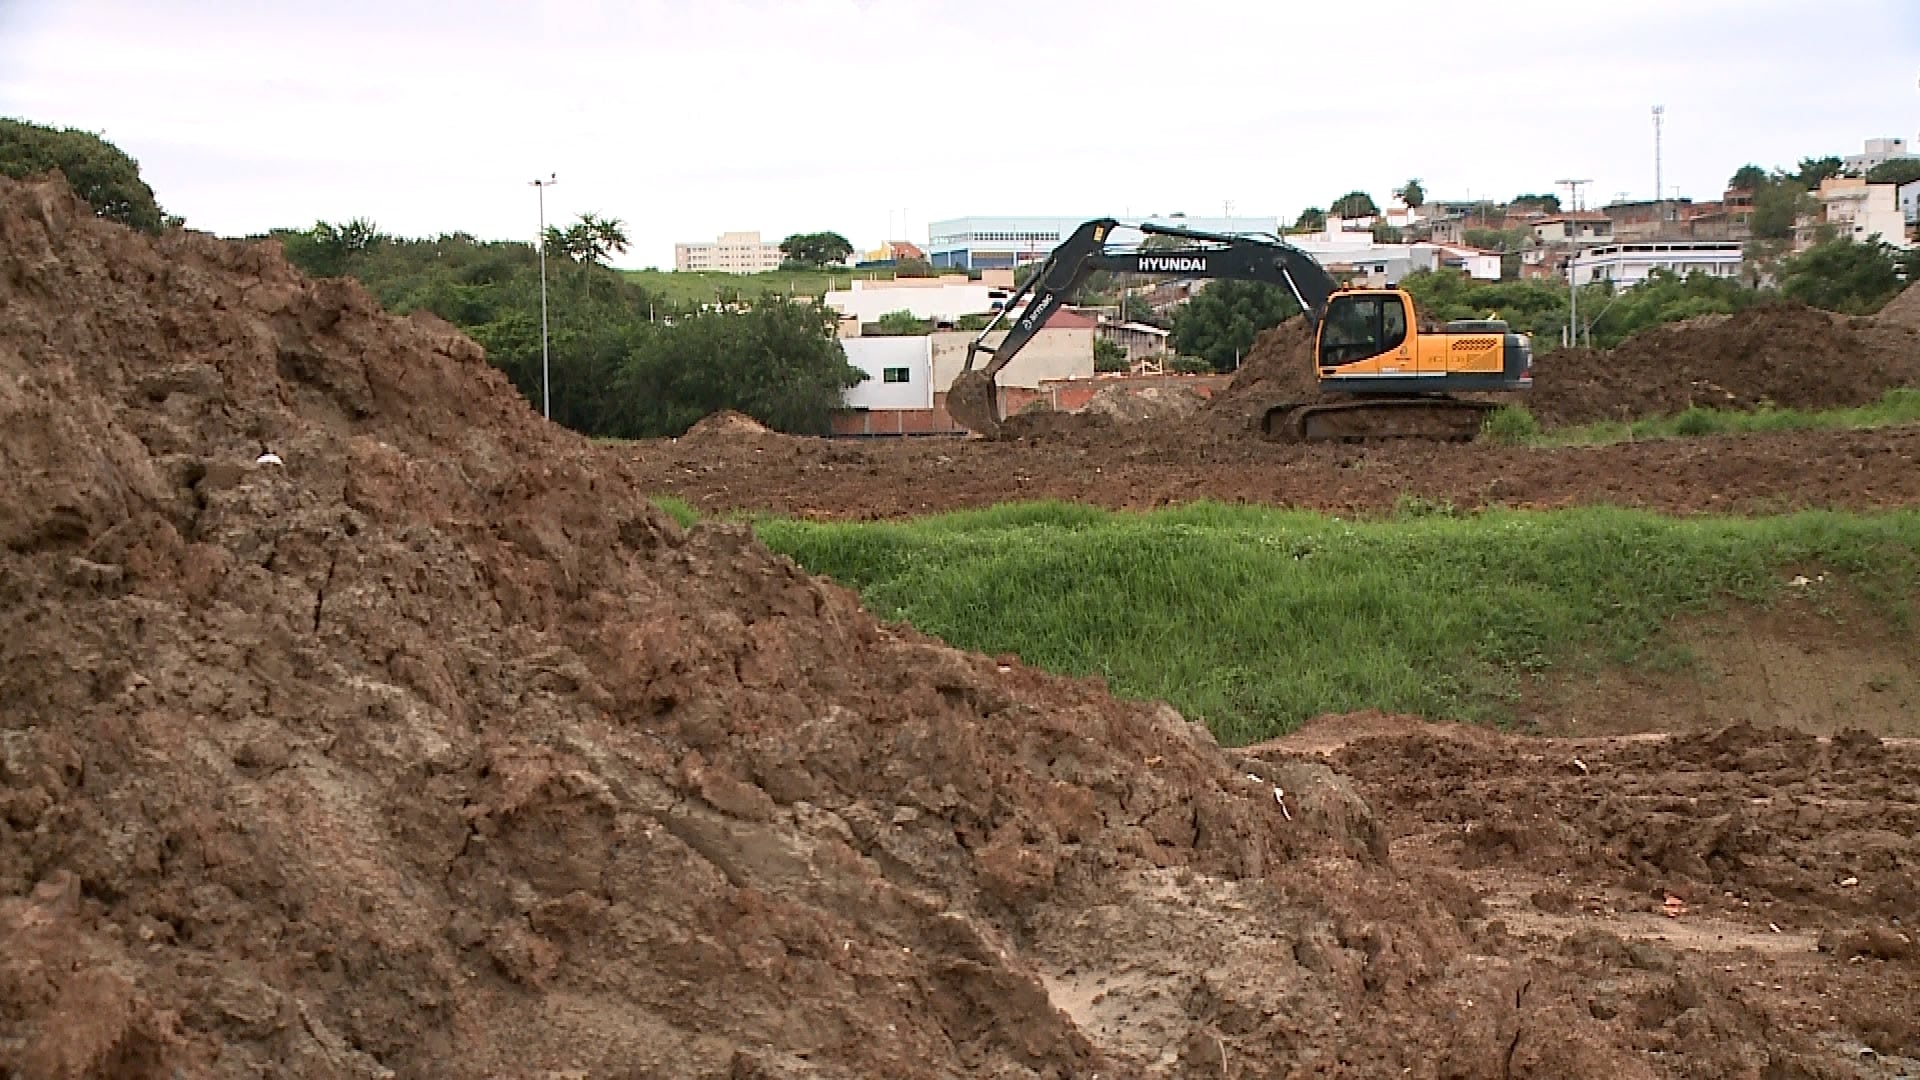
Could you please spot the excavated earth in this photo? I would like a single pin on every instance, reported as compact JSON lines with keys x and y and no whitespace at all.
{"x":356,"y":723}
{"x":1785,"y":355}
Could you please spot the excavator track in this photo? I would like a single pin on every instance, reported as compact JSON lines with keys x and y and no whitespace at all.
{"x":1441,"y":419}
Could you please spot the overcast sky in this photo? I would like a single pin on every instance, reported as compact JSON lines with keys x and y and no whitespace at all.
{"x":684,"y":118}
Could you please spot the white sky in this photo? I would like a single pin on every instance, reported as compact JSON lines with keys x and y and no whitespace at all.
{"x":684,"y":118}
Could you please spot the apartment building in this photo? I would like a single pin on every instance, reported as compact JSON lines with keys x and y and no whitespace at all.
{"x":732,"y":253}
{"x":1877,"y":152}
{"x":1853,"y":207}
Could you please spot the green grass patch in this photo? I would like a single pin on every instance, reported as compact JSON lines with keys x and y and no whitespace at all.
{"x":688,"y":288}
{"x":677,"y":508}
{"x":1512,"y":424}
{"x":1255,"y":619}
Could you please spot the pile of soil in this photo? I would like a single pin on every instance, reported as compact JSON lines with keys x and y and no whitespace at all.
{"x":1278,"y":370}
{"x":435,"y":750}
{"x":726,"y":424}
{"x":1902,"y":312}
{"x":1146,"y":404}
{"x":1781,"y":354}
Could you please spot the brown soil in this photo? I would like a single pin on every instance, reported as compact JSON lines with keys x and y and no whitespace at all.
{"x":1783,"y":354}
{"x":726,"y":424}
{"x":1148,"y":466}
{"x":1903,"y":311}
{"x":434,"y":750}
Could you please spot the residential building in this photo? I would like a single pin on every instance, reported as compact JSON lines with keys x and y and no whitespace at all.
{"x":1627,"y":265}
{"x":891,"y":253}
{"x":1142,"y":342}
{"x":1578,"y":227}
{"x":899,"y":372}
{"x":732,"y":253}
{"x":908,"y":377}
{"x":1877,"y":152}
{"x":1647,"y":220}
{"x":1910,"y":202}
{"x":1853,"y":207}
{"x":975,"y":243}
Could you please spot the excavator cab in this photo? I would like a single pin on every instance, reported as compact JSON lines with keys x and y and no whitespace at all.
{"x":1360,"y":326}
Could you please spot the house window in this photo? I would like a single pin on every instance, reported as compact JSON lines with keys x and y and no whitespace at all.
{"x":893,"y":374}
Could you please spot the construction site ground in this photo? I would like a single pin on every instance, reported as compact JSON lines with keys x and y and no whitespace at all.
{"x":356,"y":723}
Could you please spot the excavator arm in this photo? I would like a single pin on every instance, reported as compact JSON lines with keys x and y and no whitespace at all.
{"x":974,"y":399}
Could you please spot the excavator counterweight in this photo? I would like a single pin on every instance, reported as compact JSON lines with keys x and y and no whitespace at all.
{"x":1377,"y":375}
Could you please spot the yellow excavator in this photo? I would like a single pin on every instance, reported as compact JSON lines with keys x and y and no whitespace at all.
{"x":1379,"y":375}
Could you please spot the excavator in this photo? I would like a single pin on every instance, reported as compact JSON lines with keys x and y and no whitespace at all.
{"x":1380,"y":373}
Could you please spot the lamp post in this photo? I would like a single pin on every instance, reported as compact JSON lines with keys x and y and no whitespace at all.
{"x":546,"y":392}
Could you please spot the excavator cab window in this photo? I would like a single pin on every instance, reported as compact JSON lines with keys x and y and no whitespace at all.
{"x":1358,"y":327}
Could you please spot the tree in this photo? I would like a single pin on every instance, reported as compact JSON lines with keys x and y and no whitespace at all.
{"x":97,"y":171}
{"x":1109,"y":355}
{"x":1776,"y":206}
{"x":1747,"y":178}
{"x":1546,"y":204}
{"x":1814,"y":170}
{"x":592,"y":239}
{"x":1355,"y":204}
{"x":816,"y":249}
{"x":1312,"y":219}
{"x":1220,"y":323}
{"x":778,"y":362}
{"x":1843,"y":275}
{"x":899,"y":324}
{"x":1897,"y":171}
{"x":1412,"y":193}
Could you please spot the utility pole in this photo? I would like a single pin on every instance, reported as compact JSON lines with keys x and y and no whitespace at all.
{"x":546,"y":388}
{"x":1659,"y":181}
{"x":1573,"y":231}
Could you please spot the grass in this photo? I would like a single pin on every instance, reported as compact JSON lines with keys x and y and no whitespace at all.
{"x":687,"y":288}
{"x":1255,"y":619}
{"x":1514,"y":425}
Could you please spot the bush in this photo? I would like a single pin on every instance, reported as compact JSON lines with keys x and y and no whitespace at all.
{"x":1109,"y":356}
{"x":1511,"y":425}
{"x":1696,"y":421}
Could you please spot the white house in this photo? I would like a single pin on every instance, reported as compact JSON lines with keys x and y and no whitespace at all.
{"x":1627,"y":265}
{"x":1877,"y":152}
{"x":1910,"y":202}
{"x":899,"y":372}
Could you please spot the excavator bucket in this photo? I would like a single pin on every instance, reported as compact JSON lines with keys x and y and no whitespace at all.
{"x":974,"y":402}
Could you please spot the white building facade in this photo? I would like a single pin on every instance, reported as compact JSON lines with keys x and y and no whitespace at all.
{"x":1877,"y":152}
{"x":732,"y":253}
{"x":866,"y":301}
{"x":1627,"y":265}
{"x":1861,"y":210}
{"x":899,"y":372}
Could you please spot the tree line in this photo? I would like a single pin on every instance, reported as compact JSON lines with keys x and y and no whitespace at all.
{"x":623,"y":363}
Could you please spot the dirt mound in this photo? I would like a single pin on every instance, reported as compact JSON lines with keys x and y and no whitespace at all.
{"x":1278,"y":369}
{"x":726,"y":424}
{"x":435,"y":750}
{"x":1145,"y":404}
{"x":1902,"y":312}
{"x":1782,"y":354}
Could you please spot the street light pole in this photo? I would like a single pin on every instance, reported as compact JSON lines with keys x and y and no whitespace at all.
{"x":546,"y":391}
